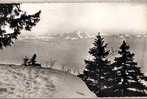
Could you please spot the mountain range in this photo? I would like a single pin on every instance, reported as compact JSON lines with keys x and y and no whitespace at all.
{"x":79,"y":35}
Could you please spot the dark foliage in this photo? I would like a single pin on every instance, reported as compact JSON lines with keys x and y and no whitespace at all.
{"x":97,"y":74}
{"x":128,"y":76}
{"x":123,"y":78}
{"x":31,"y":61}
{"x":12,"y":17}
{"x":25,"y":61}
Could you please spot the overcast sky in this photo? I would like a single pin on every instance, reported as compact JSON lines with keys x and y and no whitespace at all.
{"x":89,"y":17}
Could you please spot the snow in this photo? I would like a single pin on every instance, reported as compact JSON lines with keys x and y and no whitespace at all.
{"x":75,"y":35}
{"x":35,"y":82}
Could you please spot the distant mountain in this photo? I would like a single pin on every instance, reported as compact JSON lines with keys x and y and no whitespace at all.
{"x":74,"y":35}
{"x":68,"y":36}
{"x":79,"y":35}
{"x":125,"y":35}
{"x":33,"y":36}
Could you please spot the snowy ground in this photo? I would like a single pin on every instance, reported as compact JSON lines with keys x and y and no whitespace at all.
{"x":32,"y":82}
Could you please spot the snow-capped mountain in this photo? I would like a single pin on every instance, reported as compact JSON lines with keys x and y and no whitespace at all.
{"x":74,"y":35}
{"x":68,"y":36}
{"x":83,"y":35}
{"x":41,"y":37}
{"x":79,"y":35}
{"x":132,"y":35}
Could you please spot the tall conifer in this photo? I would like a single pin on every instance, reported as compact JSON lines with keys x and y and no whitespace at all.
{"x":128,"y":76}
{"x":98,"y":71}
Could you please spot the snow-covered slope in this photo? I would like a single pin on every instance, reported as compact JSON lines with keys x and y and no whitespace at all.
{"x":33,"y":82}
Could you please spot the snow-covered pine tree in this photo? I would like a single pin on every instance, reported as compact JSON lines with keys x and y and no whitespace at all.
{"x":127,"y":74}
{"x":97,"y":73}
{"x":15,"y":19}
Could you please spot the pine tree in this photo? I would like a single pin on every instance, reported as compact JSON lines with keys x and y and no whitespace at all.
{"x":15,"y":19}
{"x":127,"y":74}
{"x":97,"y":73}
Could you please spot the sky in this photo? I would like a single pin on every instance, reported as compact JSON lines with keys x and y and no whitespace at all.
{"x":88,"y":17}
